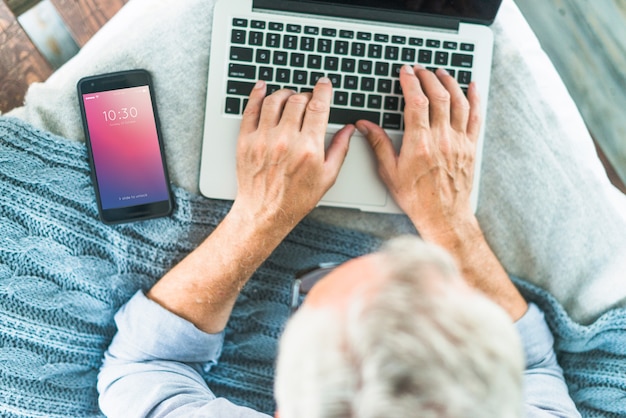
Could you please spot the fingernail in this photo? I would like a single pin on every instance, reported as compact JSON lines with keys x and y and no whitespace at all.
{"x":419,"y":67}
{"x":259,"y":84}
{"x":362,"y":129}
{"x":324,"y":80}
{"x":407,"y":69}
{"x":443,"y":71}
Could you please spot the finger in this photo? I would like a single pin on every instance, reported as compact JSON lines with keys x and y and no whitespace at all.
{"x":337,"y":150}
{"x":459,"y":106}
{"x":318,"y":109}
{"x":416,"y":107}
{"x":438,"y":98}
{"x":380,"y":143}
{"x":475,"y":119}
{"x":294,"y":110}
{"x":252,"y":112}
{"x":273,"y":106}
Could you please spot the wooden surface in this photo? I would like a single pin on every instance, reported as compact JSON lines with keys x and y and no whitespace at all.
{"x":21,"y":63}
{"x":85,"y":17}
{"x":586,"y":41}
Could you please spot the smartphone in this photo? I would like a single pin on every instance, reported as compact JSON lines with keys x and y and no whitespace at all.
{"x":125,"y":146}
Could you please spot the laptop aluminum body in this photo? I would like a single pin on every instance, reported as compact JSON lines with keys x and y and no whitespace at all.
{"x":357,"y":185}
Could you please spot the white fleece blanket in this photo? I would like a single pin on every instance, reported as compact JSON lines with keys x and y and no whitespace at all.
{"x":546,"y":206}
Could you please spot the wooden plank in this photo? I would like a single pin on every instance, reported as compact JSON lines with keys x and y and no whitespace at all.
{"x":20,"y":62}
{"x":586,"y":41}
{"x":20,"y":6}
{"x":85,"y":17}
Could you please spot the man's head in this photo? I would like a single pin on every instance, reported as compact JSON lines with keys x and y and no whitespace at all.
{"x":398,"y":333}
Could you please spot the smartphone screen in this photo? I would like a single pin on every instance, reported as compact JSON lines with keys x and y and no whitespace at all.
{"x":125,"y":146}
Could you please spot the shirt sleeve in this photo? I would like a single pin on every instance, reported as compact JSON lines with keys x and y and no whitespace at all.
{"x":545,"y":390}
{"x":152,"y":367}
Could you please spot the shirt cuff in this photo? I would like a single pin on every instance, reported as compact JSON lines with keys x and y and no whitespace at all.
{"x":537,"y":339}
{"x":147,"y":331}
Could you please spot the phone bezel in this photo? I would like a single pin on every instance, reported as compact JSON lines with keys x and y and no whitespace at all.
{"x":115,"y":81}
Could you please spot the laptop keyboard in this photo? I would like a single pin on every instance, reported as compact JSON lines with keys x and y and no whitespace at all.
{"x":362,"y":66}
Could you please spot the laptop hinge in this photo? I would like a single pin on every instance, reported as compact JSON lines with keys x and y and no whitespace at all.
{"x":360,"y":13}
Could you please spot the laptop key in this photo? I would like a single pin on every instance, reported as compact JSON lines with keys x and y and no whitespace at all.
{"x":258,"y":24}
{"x":462,"y":60}
{"x":314,"y":62}
{"x":297,"y":60}
{"x":344,"y":116}
{"x":238,"y":53}
{"x":392,"y":121}
{"x":374,"y":101}
{"x":242,"y":71}
{"x":348,"y":65}
{"x":441,"y":58}
{"x":408,"y":55}
{"x":272,"y":40}
{"x":232,"y":105}
{"x":238,"y":36}
{"x":280,"y":58}
{"x":384,"y":85}
{"x":357,"y":100}
{"x":294,"y":28}
{"x":467,"y":47}
{"x":381,"y":68}
{"x":290,"y":42}
{"x":465,"y":77}
{"x":375,"y":51}
{"x":300,"y":77}
{"x":311,"y":30}
{"x":266,"y":73}
{"x":324,"y":45}
{"x":283,"y":75}
{"x":341,"y":47}
{"x":243,"y":23}
{"x":425,"y":56}
{"x":340,"y":98}
{"x":276,"y":26}
{"x":263,"y":56}
{"x":239,"y":88}
{"x":331,"y":63}
{"x":335,"y":79}
{"x":391,"y":103}
{"x":365,"y":67}
{"x":392,"y":53}
{"x":255,"y":38}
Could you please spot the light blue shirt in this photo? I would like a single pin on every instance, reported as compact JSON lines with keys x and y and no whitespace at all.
{"x":152,"y":368}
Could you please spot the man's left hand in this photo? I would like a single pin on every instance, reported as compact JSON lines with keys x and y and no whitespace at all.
{"x":283,"y":169}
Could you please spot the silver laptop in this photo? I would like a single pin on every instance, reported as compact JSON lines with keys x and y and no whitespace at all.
{"x":360,"y":45}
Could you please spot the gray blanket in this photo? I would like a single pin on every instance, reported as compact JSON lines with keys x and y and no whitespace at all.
{"x":546,"y":206}
{"x":63,"y":275}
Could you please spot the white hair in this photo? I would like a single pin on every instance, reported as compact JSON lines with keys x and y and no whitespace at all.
{"x":421,"y":347}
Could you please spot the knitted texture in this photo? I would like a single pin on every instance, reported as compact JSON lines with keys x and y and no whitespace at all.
{"x":63,"y":275}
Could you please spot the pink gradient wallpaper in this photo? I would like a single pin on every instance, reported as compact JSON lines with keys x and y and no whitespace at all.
{"x":125,"y":147}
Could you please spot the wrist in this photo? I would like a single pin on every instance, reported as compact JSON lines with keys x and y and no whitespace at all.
{"x":452,"y":234}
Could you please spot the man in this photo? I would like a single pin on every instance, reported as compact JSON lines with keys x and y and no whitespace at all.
{"x":394,"y":333}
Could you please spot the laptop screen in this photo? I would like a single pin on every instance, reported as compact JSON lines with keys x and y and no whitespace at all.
{"x":440,"y":13}
{"x":472,"y":10}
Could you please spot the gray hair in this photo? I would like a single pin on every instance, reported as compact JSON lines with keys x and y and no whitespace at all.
{"x":415,"y":349}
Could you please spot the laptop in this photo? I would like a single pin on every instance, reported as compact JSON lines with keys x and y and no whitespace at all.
{"x":360,"y":45}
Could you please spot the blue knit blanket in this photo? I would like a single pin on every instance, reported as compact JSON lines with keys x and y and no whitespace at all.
{"x":63,"y":275}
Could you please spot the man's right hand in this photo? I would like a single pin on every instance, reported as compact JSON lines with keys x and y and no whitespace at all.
{"x":431,"y":177}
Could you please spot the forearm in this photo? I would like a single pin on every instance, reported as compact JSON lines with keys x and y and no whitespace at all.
{"x":478,"y":264}
{"x":204,"y":286}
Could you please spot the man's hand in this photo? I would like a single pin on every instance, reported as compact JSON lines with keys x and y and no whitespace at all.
{"x":431,"y":177}
{"x":283,"y":169}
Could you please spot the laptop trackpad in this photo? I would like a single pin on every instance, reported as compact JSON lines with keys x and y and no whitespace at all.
{"x":358,"y":183}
